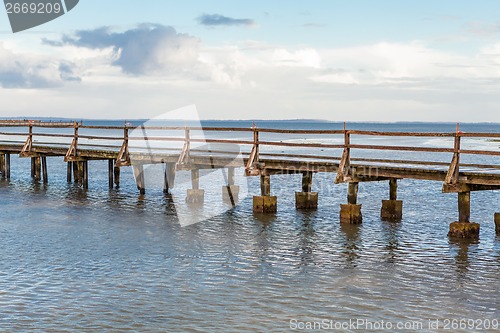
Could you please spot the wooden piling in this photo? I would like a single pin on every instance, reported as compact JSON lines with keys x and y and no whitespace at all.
{"x":352,"y":193}
{"x":265,"y":203}
{"x":307,"y":181}
{"x":139,"y":178}
{"x":33,"y":167}
{"x":2,"y":165}
{"x":306,"y":199}
{"x":44,"y":169}
{"x":7,"y":166}
{"x":195,"y":179}
{"x":68,"y":171}
{"x":351,"y":212}
{"x":230,"y":176}
{"x":111,"y":164}
{"x":265,"y":185}
{"x":38,"y":168}
{"x":117,"y":175}
{"x":464,"y":207}
{"x":392,"y":209}
{"x":497,"y":223}
{"x":85,"y":174}
{"x":464,"y":228}
{"x":76,"y":172}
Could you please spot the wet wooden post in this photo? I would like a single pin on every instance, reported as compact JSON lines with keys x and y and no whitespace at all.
{"x":195,"y":194}
{"x":38,"y":168}
{"x":44,"y":169}
{"x":265,"y":203}
{"x":68,"y":171}
{"x":464,"y":228}
{"x":7,"y":166}
{"x":85,"y":174}
{"x":111,"y":164}
{"x":351,"y":212}
{"x":392,"y":209}
{"x":230,"y":192}
{"x":33,"y":167}
{"x":139,"y":178}
{"x":117,"y":175}
{"x":265,"y":185}
{"x":464,"y":207}
{"x":168,"y":177}
{"x":195,"y":179}
{"x":3,"y":165}
{"x":352,"y":193}
{"x":76,"y":171}
{"x":306,"y":199}
{"x":497,"y":223}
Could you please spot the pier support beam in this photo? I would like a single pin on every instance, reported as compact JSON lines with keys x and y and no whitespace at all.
{"x":306,"y":199}
{"x":139,"y":178}
{"x":230,"y":192}
{"x":392,"y":209}
{"x":464,"y":228}
{"x":351,"y":212}
{"x":195,"y":195}
{"x":265,"y":203}
{"x":497,"y":223}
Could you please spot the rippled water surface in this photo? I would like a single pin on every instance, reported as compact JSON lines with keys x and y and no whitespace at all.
{"x":115,"y":261}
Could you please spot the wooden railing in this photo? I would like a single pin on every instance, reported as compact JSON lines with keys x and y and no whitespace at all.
{"x":253,"y":147}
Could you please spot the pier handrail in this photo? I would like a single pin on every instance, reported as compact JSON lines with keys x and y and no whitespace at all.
{"x":255,"y":144}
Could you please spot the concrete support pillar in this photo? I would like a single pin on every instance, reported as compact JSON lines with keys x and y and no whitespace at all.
{"x":139,"y":178}
{"x":497,"y":223}
{"x":265,"y":203}
{"x":464,"y":228}
{"x":195,"y":195}
{"x":306,"y":199}
{"x":392,"y":209}
{"x":44,"y":170}
{"x":351,"y":213}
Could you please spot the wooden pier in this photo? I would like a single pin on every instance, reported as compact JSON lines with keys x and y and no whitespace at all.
{"x":118,"y":151}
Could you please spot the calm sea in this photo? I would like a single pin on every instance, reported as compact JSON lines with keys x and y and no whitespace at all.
{"x":114,"y":261}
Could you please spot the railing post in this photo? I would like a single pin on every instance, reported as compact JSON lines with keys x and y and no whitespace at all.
{"x":451,"y":182}
{"x":251,"y":168}
{"x":343,"y":172}
{"x":123,"y":158}
{"x":76,"y":138}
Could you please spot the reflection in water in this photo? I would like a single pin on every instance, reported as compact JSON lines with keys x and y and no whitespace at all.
{"x":390,"y":232}
{"x":352,"y":243}
{"x":461,"y":248}
{"x":306,"y":245}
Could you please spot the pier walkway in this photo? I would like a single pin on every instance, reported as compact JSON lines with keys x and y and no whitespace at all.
{"x":263,"y":153}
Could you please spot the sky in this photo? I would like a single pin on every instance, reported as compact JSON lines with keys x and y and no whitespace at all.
{"x":333,"y":60}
